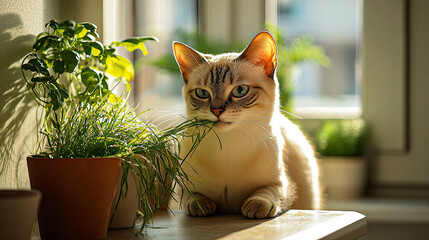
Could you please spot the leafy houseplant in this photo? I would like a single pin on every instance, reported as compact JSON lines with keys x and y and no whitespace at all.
{"x":341,"y":146}
{"x":73,"y":76}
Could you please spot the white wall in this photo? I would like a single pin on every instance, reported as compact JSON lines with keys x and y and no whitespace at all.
{"x":20,"y":22}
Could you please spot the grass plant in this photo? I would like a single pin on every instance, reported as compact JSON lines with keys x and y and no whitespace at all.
{"x":70,"y":73}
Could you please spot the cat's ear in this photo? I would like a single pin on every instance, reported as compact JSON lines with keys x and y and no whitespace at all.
{"x":187,"y":58}
{"x":262,"y":51}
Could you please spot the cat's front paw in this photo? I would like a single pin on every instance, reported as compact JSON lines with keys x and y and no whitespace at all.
{"x":259,"y":207}
{"x":208,"y":207}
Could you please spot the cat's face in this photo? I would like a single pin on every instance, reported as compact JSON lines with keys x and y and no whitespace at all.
{"x":232,"y":89}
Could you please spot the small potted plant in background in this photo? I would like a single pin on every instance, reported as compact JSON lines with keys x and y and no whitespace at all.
{"x":340,"y":144}
{"x":88,"y":133}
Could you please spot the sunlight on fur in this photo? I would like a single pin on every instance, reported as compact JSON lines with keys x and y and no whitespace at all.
{"x":255,"y":162}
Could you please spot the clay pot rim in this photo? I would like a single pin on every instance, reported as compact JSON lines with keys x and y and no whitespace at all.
{"x":38,"y":157}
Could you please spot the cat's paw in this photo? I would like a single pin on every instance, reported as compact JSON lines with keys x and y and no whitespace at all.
{"x":259,"y":207}
{"x":208,"y":207}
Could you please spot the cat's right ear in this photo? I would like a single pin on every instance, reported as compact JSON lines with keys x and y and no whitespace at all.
{"x":187,"y":58}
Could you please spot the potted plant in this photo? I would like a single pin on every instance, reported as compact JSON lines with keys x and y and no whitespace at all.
{"x":341,"y":146}
{"x":89,"y":133}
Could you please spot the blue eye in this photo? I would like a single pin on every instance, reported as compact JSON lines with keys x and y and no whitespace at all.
{"x":240,"y":91}
{"x":201,"y":93}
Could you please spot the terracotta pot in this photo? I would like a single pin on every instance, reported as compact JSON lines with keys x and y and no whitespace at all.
{"x":18,"y":212}
{"x":344,"y":177}
{"x":124,"y":212}
{"x":77,"y":195}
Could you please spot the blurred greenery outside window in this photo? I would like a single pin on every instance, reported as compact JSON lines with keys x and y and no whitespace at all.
{"x":317,"y":91}
{"x":334,"y":91}
{"x":156,"y":87}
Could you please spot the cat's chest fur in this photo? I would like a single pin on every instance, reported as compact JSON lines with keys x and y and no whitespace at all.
{"x":228,"y":166}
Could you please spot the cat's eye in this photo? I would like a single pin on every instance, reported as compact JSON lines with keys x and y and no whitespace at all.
{"x":240,"y":91}
{"x":201,"y":93}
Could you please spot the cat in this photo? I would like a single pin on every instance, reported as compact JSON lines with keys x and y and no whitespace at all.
{"x":255,"y":161}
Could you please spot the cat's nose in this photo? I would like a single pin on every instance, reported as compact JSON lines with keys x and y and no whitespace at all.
{"x":217,"y":111}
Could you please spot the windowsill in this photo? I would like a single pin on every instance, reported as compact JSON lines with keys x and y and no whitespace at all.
{"x":328,"y":112}
{"x":386,"y":210}
{"x":295,"y":224}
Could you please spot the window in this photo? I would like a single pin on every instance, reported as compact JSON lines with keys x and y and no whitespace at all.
{"x":318,"y":92}
{"x":334,"y":91}
{"x":155,"y":88}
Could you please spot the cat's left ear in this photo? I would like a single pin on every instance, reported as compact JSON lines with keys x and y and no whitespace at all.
{"x":187,"y":58}
{"x":262,"y":51}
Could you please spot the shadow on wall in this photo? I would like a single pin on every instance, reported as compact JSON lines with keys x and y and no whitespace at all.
{"x":15,"y":102}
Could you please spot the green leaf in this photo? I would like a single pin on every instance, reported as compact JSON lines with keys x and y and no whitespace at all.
{"x":97,"y":48}
{"x":70,"y":59}
{"x":63,"y":92}
{"x":55,"y":123}
{"x":104,"y":83}
{"x":68,"y":24}
{"x":120,"y":67}
{"x":94,"y":48}
{"x":45,"y":42}
{"x":80,"y":31}
{"x":29,"y":67}
{"x":109,"y":51}
{"x":58,"y":66}
{"x":89,"y":26}
{"x":90,"y":76}
{"x":41,"y":35}
{"x":39,"y":65}
{"x":53,"y":24}
{"x":113,"y":98}
{"x":92,"y":31}
{"x":135,"y":43}
{"x":42,"y":79}
{"x":90,"y":37}
{"x":94,"y":35}
{"x":69,"y":27}
{"x":55,"y":96}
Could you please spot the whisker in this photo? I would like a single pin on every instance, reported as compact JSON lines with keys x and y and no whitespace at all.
{"x":253,"y":138}
{"x":154,"y":121}
{"x":261,"y":125}
{"x":294,"y":115}
{"x":176,"y":122}
{"x":245,"y":135}
{"x":260,"y":137}
{"x":270,"y":137}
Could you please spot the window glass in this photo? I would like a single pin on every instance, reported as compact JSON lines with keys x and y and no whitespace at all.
{"x":333,"y":91}
{"x":155,"y":87}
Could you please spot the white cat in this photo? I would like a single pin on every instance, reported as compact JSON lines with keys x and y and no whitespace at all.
{"x":255,"y":161}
